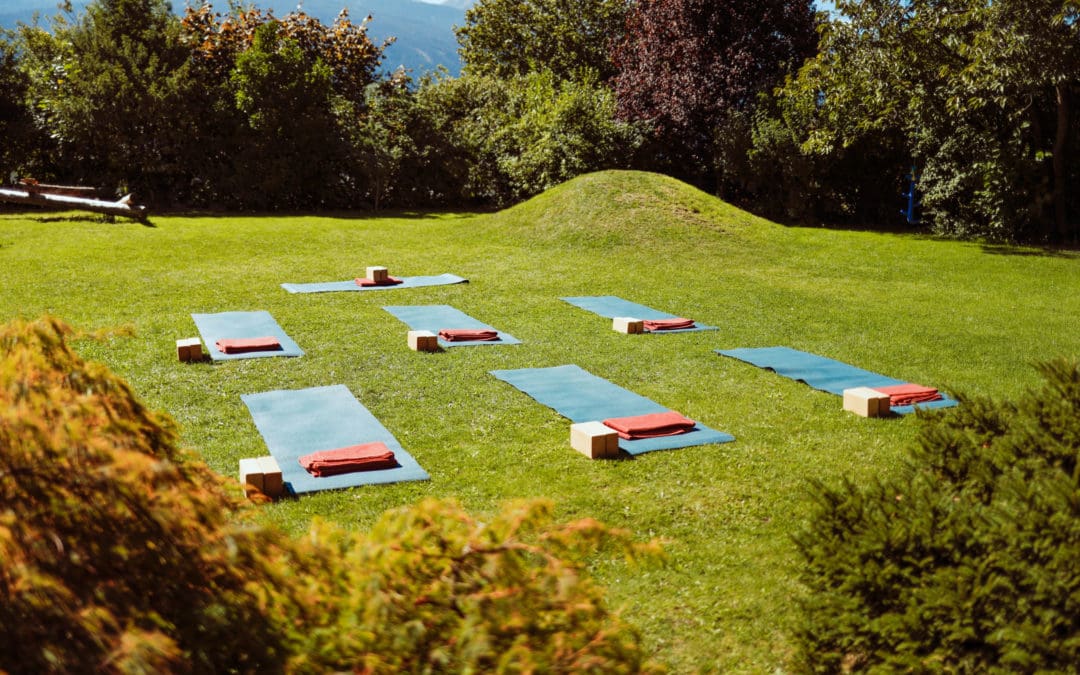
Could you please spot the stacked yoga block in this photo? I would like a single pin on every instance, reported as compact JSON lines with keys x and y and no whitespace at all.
{"x":263,"y":474}
{"x":629,"y":325}
{"x":595,"y":440}
{"x":378,"y":274}
{"x":866,"y":402}
{"x":423,"y":341}
{"x":189,"y":350}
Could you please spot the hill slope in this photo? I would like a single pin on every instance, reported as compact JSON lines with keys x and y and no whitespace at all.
{"x":626,"y":207}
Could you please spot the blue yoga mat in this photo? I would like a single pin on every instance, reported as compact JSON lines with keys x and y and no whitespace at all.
{"x":581,"y":396}
{"x":436,"y":317}
{"x":611,"y":306}
{"x":350,"y":284}
{"x":824,"y":373}
{"x":225,"y":325}
{"x":298,"y":422}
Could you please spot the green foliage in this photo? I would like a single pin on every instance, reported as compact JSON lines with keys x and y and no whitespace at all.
{"x":857,"y":184}
{"x":107,"y":88}
{"x":430,"y":589}
{"x":237,"y":111}
{"x":124,"y":554}
{"x":533,"y":132}
{"x":978,"y":94}
{"x":343,"y":47}
{"x":285,"y":101}
{"x":404,"y":145}
{"x":284,"y":95}
{"x":569,"y":38}
{"x":966,"y":560}
{"x":21,"y":139}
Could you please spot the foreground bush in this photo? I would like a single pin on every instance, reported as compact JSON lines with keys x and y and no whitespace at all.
{"x":965,"y":562}
{"x":120,"y":553}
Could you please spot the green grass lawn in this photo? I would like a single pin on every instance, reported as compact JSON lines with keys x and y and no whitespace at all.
{"x":957,"y":315}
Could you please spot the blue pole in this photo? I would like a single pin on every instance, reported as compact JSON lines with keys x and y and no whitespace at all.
{"x":912,"y":199}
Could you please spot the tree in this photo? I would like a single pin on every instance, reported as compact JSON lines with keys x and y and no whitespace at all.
{"x":344,"y":47}
{"x":686,"y":66}
{"x":289,"y":135}
{"x":532,"y":132}
{"x":1027,"y":51}
{"x":284,"y":96}
{"x":965,"y":560}
{"x":505,"y":38}
{"x":108,"y":88}
{"x":22,"y":140}
{"x":977,"y":91}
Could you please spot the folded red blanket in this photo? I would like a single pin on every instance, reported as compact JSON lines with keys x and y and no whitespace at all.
{"x":268,"y":343}
{"x":363,"y":457}
{"x":468,"y":335}
{"x":668,"y":324}
{"x":390,"y":281}
{"x":906,"y":394}
{"x":668,"y":423}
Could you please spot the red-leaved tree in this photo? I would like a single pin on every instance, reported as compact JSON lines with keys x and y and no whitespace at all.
{"x":686,"y":65}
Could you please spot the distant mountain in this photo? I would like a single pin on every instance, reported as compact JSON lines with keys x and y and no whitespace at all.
{"x":460,"y":4}
{"x":424,"y":30}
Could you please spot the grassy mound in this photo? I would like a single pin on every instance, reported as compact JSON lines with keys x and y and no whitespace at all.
{"x":635,"y":208}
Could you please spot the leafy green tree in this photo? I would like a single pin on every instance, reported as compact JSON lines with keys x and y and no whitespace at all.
{"x":22,"y":140}
{"x":1030,"y":50}
{"x":285,"y":96}
{"x":290,"y":136}
{"x":404,"y":145}
{"x":978,"y":92}
{"x":107,"y":87}
{"x":965,"y":560}
{"x":857,"y":185}
{"x":506,"y":38}
{"x":533,"y":132}
{"x":344,"y":47}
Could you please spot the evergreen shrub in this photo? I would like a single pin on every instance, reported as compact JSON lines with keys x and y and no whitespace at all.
{"x":967,"y":559}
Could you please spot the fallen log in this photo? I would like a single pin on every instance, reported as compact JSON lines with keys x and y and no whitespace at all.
{"x":121,"y":207}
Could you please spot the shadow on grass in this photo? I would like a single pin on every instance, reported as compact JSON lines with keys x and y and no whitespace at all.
{"x":1031,"y":252}
{"x":388,"y":214}
{"x":86,"y":218}
{"x":365,"y":214}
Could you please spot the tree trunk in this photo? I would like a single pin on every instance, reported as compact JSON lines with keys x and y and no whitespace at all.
{"x":1060,"y":145}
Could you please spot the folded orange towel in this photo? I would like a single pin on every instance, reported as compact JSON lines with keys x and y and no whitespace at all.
{"x":468,"y":335}
{"x":668,"y":324}
{"x":390,"y":281}
{"x":907,"y":394}
{"x":268,"y":343}
{"x":363,"y":457}
{"x":668,"y":423}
